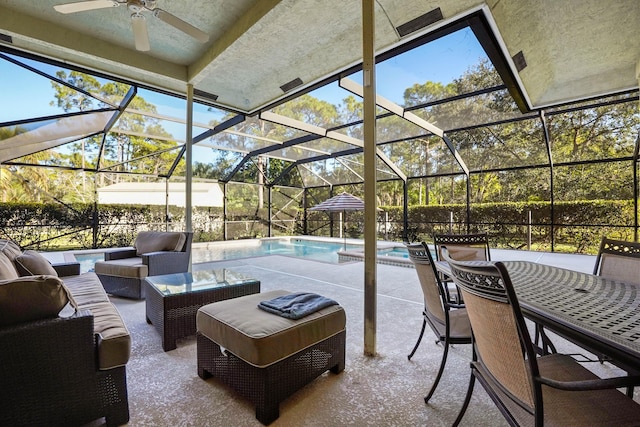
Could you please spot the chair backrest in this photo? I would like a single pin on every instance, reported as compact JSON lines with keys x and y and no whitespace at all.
{"x":501,"y":340}
{"x":432,"y":289}
{"x":154,"y":241}
{"x":618,"y":260}
{"x":463,"y":247}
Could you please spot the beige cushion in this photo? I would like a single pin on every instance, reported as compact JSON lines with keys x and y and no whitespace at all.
{"x":466,"y":253}
{"x":114,"y":340}
{"x":86,"y":289}
{"x":126,"y":267}
{"x":30,"y":298}
{"x":261,"y":338}
{"x":31,"y":263}
{"x":10,"y":248}
{"x":155,"y":241}
{"x":7,"y":268}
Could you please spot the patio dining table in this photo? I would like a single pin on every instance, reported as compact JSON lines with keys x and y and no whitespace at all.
{"x":598,"y":314}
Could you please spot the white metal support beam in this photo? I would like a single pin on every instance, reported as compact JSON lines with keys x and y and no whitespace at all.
{"x":396,"y":109}
{"x":188,"y":160}
{"x":370,"y":197}
{"x":317,"y":130}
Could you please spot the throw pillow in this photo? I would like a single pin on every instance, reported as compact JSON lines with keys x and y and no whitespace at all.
{"x":10,"y":248}
{"x":31,"y":263}
{"x":7,"y":269}
{"x":30,"y":298}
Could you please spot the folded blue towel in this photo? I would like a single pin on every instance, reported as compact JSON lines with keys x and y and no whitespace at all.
{"x":296,"y":306}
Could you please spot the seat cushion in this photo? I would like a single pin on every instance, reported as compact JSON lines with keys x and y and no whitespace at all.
{"x":114,"y":340}
{"x":261,"y":338}
{"x":126,"y":267}
{"x":155,"y":241}
{"x":31,"y":263}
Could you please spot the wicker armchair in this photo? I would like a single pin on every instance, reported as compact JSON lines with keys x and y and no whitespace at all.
{"x":448,"y":320}
{"x":154,"y":253}
{"x":529,"y":390}
{"x":618,"y":260}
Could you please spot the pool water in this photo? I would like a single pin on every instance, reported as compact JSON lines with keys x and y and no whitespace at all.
{"x":308,"y":249}
{"x":300,"y":248}
{"x":88,"y":260}
{"x":397,"y":252}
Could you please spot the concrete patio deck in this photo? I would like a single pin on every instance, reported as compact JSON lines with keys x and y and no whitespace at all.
{"x":385,"y":390}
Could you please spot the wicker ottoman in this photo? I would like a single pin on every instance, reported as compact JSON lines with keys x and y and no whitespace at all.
{"x":266,"y":357}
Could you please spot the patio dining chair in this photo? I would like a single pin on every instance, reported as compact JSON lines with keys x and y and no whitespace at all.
{"x":447,"y":319}
{"x":463,"y":247}
{"x":528,"y":389}
{"x":618,"y":260}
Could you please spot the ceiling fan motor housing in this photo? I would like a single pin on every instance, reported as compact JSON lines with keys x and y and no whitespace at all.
{"x":137,"y":6}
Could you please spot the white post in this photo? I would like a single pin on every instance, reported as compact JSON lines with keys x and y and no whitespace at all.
{"x":369,"y":121}
{"x":188,"y":159}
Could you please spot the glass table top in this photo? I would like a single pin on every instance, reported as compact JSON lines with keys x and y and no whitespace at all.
{"x":178,"y":283}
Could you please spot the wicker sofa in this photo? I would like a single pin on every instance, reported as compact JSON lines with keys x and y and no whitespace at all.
{"x":63,"y":345}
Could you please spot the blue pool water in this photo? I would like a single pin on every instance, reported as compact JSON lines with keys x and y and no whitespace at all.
{"x":88,"y":260}
{"x":300,"y":248}
{"x":397,"y":252}
{"x":309,"y":249}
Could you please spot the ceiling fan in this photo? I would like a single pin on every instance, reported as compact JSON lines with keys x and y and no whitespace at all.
{"x":138,"y":21}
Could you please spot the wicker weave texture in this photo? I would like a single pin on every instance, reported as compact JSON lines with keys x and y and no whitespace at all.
{"x":126,"y":287}
{"x":174,"y":316}
{"x":267,"y":387}
{"x":49,"y":376}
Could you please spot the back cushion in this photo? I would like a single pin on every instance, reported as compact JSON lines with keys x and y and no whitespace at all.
{"x":7,"y":269}
{"x":30,"y":298}
{"x":10,"y":248}
{"x":31,"y":263}
{"x":154,"y":241}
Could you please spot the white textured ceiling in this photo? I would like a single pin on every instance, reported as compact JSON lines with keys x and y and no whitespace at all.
{"x":573,"y":49}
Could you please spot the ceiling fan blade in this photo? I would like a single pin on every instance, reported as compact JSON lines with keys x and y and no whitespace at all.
{"x":82,"y":6}
{"x":181,"y":25}
{"x":140,"y":33}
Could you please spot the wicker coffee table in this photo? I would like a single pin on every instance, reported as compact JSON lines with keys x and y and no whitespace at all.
{"x":172,"y":300}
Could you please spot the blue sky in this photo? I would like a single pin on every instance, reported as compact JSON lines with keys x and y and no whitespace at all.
{"x":443,"y":60}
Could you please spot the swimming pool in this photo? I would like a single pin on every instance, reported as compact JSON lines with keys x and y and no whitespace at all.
{"x":301,"y":248}
{"x":318,"y":250}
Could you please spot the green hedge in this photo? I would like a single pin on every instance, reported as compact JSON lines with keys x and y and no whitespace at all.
{"x":578,"y":225}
